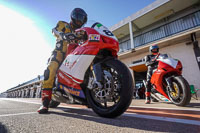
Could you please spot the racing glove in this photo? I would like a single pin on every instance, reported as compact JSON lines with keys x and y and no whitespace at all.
{"x":70,"y":37}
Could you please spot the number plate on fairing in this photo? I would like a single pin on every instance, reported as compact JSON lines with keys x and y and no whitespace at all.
{"x":104,"y":31}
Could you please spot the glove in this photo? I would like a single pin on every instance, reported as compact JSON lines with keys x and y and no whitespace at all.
{"x":70,"y":37}
{"x":80,"y":34}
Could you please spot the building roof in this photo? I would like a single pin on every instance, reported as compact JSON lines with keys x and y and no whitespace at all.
{"x":150,"y":14}
{"x":139,"y":13}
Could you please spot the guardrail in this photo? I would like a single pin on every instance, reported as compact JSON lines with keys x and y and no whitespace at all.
{"x":179,"y":25}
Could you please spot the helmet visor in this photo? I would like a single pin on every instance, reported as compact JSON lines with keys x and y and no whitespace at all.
{"x":154,"y":50}
{"x":79,"y":19}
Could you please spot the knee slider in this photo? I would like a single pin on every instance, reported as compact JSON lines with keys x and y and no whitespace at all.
{"x":59,"y":45}
{"x":57,"y":56}
{"x":46,"y":74}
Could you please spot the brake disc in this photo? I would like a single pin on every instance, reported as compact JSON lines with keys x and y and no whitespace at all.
{"x":105,"y":94}
{"x":176,"y":93}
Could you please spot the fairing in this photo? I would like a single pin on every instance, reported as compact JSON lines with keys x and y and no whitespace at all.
{"x":165,"y":66}
{"x":72,"y":71}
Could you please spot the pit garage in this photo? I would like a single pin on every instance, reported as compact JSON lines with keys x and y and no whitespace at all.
{"x":139,"y":74}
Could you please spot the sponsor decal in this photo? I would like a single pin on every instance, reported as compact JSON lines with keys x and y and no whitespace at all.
{"x":94,"y":37}
{"x":73,"y":91}
{"x":67,"y":64}
{"x":70,"y":66}
{"x":99,"y":25}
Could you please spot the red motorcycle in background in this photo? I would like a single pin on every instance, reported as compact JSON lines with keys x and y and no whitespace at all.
{"x":92,"y":75}
{"x":167,"y":80}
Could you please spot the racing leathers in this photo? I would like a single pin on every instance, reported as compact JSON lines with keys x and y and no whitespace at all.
{"x":54,"y":62}
{"x":151,"y":63}
{"x":58,"y":54}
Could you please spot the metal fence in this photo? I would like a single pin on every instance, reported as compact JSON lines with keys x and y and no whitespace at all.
{"x":125,"y":45}
{"x":174,"y":27}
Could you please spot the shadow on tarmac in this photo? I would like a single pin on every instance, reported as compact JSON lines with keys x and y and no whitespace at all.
{"x":128,"y":122}
{"x":194,"y":105}
{"x":3,"y":128}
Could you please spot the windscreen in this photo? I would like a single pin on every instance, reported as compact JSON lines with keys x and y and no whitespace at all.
{"x":163,"y":56}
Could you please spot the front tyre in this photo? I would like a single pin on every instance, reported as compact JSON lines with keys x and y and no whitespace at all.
{"x":116,"y":95}
{"x":181,"y":94}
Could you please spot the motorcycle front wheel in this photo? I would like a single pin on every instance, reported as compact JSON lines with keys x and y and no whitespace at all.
{"x":116,"y":94}
{"x":181,"y":94}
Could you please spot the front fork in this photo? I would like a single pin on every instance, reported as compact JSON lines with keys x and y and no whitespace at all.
{"x":169,"y":84}
{"x":97,"y":74}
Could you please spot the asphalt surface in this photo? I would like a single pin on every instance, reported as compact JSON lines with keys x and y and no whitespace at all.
{"x":20,"y":116}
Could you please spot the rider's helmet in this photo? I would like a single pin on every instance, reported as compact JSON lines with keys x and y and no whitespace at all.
{"x":78,"y":18}
{"x":154,"y":49}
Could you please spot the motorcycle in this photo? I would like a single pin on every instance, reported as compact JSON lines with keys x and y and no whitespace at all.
{"x":168,"y":81}
{"x":92,"y":75}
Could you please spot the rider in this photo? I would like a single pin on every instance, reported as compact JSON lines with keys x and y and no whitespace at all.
{"x":65,"y":34}
{"x":152,"y":64}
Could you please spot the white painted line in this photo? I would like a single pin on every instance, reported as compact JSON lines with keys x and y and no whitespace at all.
{"x":192,"y":109}
{"x":18,"y":100}
{"x":5,"y":115}
{"x":184,"y":121}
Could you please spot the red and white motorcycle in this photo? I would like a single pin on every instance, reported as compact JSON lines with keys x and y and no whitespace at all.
{"x":168,"y":81}
{"x":92,"y":75}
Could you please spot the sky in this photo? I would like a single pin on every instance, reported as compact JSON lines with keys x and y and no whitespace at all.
{"x":26,"y":40}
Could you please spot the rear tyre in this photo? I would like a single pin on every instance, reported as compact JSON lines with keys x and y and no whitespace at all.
{"x":181,"y":95}
{"x":117,"y":92}
{"x":53,"y":104}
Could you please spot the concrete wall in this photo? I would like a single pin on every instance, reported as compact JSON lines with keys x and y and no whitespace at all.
{"x":186,"y":55}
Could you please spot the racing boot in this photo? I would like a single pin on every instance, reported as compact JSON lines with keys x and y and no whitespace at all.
{"x":148,"y":98}
{"x":46,"y":98}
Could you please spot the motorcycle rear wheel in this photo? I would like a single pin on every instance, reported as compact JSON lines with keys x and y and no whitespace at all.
{"x":111,"y":104}
{"x":182,"y":89}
